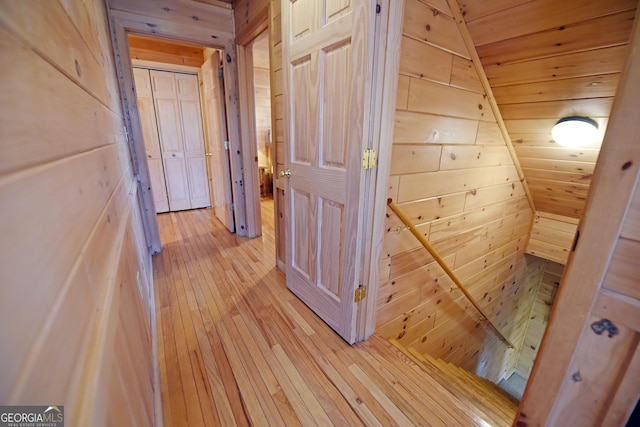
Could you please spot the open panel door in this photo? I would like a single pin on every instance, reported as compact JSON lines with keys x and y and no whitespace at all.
{"x":328,"y":62}
{"x":217,"y":153}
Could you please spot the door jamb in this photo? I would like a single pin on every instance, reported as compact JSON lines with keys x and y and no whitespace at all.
{"x":121,"y":25}
{"x":385,"y":91}
{"x":246,"y":91}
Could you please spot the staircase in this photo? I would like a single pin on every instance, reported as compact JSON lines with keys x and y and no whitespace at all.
{"x":479,"y":395}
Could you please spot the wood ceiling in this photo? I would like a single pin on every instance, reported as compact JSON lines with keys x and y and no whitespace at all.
{"x":547,"y":59}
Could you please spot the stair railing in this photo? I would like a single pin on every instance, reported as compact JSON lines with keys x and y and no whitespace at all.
{"x":405,"y":219}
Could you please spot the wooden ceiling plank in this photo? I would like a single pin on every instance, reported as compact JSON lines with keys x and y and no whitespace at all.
{"x":594,"y":107}
{"x":559,"y":191}
{"x":599,"y":86}
{"x":541,"y":15}
{"x":544,"y":126}
{"x":533,"y":140}
{"x":554,"y":175}
{"x":479,"y":9}
{"x":555,"y":208}
{"x":612,"y":30}
{"x":566,"y":202}
{"x":557,"y":165}
{"x":557,"y":152}
{"x":558,"y":222}
{"x":594,"y":62}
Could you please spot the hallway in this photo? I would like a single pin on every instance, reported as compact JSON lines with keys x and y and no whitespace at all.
{"x":237,"y":348}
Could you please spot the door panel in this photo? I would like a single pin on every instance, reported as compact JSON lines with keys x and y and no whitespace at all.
{"x":192,"y":135}
{"x":301,"y":232}
{"x":151,"y":139}
{"x":169,"y":125}
{"x":328,"y":62}
{"x":217,"y":155}
{"x":331,"y":254}
{"x":303,"y":122}
{"x":177,"y":186}
{"x":198,"y":182}
{"x":336,"y":103}
{"x":179,"y":122}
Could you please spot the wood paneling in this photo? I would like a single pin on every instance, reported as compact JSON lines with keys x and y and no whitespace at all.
{"x":550,"y":276}
{"x":584,"y":375}
{"x":453,"y":175}
{"x":533,"y":17}
{"x":65,"y":161}
{"x":552,"y":236}
{"x":277,"y":124}
{"x":262,"y":86}
{"x":164,"y":51}
{"x":250,"y":18}
{"x":544,"y":63}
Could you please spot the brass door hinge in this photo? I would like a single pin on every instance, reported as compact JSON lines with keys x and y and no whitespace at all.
{"x":360,"y":294}
{"x":369,"y":158}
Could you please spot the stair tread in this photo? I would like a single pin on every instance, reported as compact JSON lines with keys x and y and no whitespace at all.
{"x":474,"y":379}
{"x":482,"y":400}
{"x":473,"y":387}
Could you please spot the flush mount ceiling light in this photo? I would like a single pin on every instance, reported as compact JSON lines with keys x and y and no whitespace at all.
{"x":575,"y":131}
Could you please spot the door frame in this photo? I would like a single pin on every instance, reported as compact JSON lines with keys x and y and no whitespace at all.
{"x":148,"y":20}
{"x":246,"y":91}
{"x":382,"y":126}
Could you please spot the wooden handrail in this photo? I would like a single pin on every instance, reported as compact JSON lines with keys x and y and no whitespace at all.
{"x":405,"y":219}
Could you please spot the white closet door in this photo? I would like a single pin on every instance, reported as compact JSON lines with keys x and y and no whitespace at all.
{"x":188,"y":95}
{"x":151,"y":140}
{"x":168,"y":117}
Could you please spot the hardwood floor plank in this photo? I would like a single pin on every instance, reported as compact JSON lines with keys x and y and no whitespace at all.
{"x":237,"y":348}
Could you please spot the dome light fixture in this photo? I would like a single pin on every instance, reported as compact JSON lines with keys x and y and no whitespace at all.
{"x":575,"y":131}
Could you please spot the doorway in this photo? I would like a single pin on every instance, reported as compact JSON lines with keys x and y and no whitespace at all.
{"x":259,"y":50}
{"x":182,"y":112}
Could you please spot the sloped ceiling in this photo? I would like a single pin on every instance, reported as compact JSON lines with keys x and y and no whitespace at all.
{"x":547,"y":59}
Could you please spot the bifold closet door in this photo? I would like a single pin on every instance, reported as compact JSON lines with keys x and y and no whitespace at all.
{"x":177,"y":108}
{"x":151,"y":141}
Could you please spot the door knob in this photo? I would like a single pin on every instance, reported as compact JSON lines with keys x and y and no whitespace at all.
{"x":285,"y":173}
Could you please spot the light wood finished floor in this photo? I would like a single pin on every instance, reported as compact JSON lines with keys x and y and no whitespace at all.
{"x":237,"y":348}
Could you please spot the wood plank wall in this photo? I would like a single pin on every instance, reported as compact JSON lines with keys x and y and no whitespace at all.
{"x":165,"y":51}
{"x":452,"y":173}
{"x":552,"y":236}
{"x":586,"y":372}
{"x":546,"y":60}
{"x":550,"y":279}
{"x":277,"y":114}
{"x":262,"y":85}
{"x":74,"y":265}
{"x":250,"y":17}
